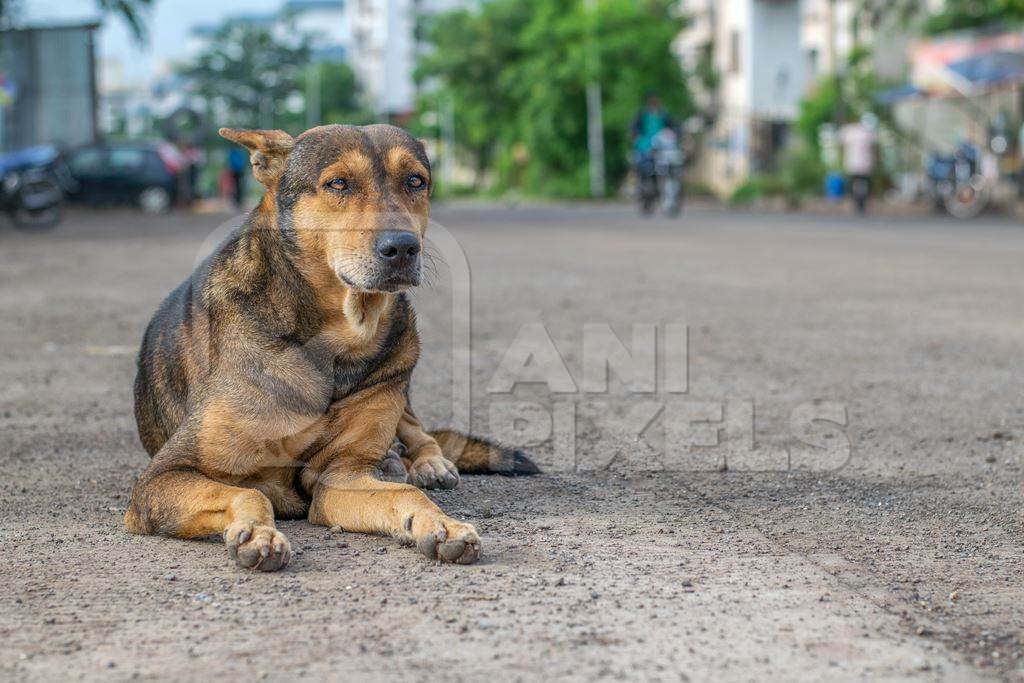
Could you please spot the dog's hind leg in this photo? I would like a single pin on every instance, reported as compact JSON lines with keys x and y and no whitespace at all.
{"x":173,"y":498}
{"x":428,"y":468}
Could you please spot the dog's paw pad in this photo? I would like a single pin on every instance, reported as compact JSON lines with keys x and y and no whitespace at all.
{"x":450,"y":541}
{"x":254,"y":546}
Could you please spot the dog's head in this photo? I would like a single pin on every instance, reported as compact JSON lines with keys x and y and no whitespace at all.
{"x":356,"y":196}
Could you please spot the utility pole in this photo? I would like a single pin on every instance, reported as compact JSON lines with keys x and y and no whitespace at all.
{"x":313,"y":113}
{"x":595,"y":122}
{"x":448,"y":144}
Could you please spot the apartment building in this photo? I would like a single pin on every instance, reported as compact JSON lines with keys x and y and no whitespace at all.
{"x":766,"y":55}
{"x":384,"y":46}
{"x":757,"y":51}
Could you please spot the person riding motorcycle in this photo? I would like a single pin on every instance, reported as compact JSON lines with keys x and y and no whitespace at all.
{"x":648,"y":122}
{"x":657,"y":158}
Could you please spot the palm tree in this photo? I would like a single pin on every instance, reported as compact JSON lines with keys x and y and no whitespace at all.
{"x":131,"y":12}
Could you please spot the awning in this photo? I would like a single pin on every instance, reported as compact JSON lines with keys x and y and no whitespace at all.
{"x":991,"y":70}
{"x":967,"y":62}
{"x":900,"y":92}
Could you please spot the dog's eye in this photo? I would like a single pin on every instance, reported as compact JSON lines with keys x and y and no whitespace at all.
{"x":337,"y":184}
{"x":415,"y":182}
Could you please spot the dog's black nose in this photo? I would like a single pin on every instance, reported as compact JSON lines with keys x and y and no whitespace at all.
{"x":398,"y":246}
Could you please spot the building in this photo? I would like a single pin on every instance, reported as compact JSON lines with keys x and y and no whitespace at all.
{"x":755,"y":48}
{"x":384,"y":47}
{"x":328,"y":22}
{"x":766,"y":54}
{"x":48,"y":78}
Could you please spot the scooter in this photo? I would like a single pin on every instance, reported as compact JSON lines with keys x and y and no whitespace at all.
{"x":958,"y":182}
{"x":32,"y":183}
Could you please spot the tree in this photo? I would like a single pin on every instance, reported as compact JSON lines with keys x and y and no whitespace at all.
{"x":130,"y":11}
{"x":470,"y":52}
{"x":516,"y":75}
{"x":954,"y":15}
{"x":340,"y":93}
{"x":249,"y":73}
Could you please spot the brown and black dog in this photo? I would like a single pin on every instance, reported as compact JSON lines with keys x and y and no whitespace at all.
{"x":275,"y":378}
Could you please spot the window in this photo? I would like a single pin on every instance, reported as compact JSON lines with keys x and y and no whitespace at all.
{"x":734,"y":51}
{"x":87,"y":163}
{"x":127,"y":159}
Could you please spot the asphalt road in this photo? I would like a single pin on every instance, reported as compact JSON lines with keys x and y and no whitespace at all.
{"x":874,"y":531}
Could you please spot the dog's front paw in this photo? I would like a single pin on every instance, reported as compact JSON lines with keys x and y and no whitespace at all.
{"x":257,"y":547}
{"x":391,"y":468}
{"x":433,"y":472}
{"x":442,"y":538}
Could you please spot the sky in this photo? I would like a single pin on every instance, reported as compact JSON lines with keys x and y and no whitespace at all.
{"x":169,"y":24}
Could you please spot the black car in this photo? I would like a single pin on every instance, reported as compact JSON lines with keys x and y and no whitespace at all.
{"x":141,"y":173}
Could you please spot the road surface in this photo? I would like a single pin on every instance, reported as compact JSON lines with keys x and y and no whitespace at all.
{"x":892,"y":549}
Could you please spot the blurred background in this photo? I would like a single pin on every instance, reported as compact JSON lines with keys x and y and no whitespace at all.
{"x":825,"y":192}
{"x":913,"y":103}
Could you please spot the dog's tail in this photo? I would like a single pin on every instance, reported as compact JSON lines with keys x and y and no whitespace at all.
{"x":473,"y":455}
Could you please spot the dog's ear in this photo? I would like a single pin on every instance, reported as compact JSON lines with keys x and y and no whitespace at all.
{"x":268,"y":151}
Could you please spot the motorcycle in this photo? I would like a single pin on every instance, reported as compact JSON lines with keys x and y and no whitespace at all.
{"x":32,"y":184}
{"x":660,"y":175}
{"x":959,"y":183}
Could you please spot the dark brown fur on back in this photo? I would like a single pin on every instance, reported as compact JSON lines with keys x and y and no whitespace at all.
{"x":274,"y":379}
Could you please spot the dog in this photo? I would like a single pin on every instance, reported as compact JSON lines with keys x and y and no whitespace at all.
{"x":274,"y":381}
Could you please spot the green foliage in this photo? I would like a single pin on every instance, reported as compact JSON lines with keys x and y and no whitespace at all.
{"x":517,"y":72}
{"x":747,"y":193}
{"x":965,"y":14}
{"x":838,"y":99}
{"x":340,"y":93}
{"x":800,"y":174}
{"x":131,"y":12}
{"x":955,"y":14}
{"x":340,"y":98}
{"x":819,"y":107}
{"x":801,"y":171}
{"x":249,"y":72}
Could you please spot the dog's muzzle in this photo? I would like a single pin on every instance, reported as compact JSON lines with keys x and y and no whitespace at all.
{"x":398,"y":255}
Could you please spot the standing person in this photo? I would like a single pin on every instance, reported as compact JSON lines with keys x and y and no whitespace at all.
{"x":238,"y":165}
{"x":858,"y":140}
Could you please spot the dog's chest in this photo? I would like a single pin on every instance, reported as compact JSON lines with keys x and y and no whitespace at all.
{"x":385,"y":358}
{"x":351,"y":375}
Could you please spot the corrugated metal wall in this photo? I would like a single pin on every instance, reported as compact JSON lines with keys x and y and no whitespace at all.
{"x":53,"y":70}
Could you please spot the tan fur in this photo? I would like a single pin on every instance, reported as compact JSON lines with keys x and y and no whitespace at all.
{"x":233,"y":399}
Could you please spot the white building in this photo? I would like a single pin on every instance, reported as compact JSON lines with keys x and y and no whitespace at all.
{"x":767,"y":54}
{"x":329,"y":23}
{"x":384,"y":47}
{"x":756,"y":49}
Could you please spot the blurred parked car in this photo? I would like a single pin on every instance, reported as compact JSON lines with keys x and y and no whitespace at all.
{"x":140,"y":173}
